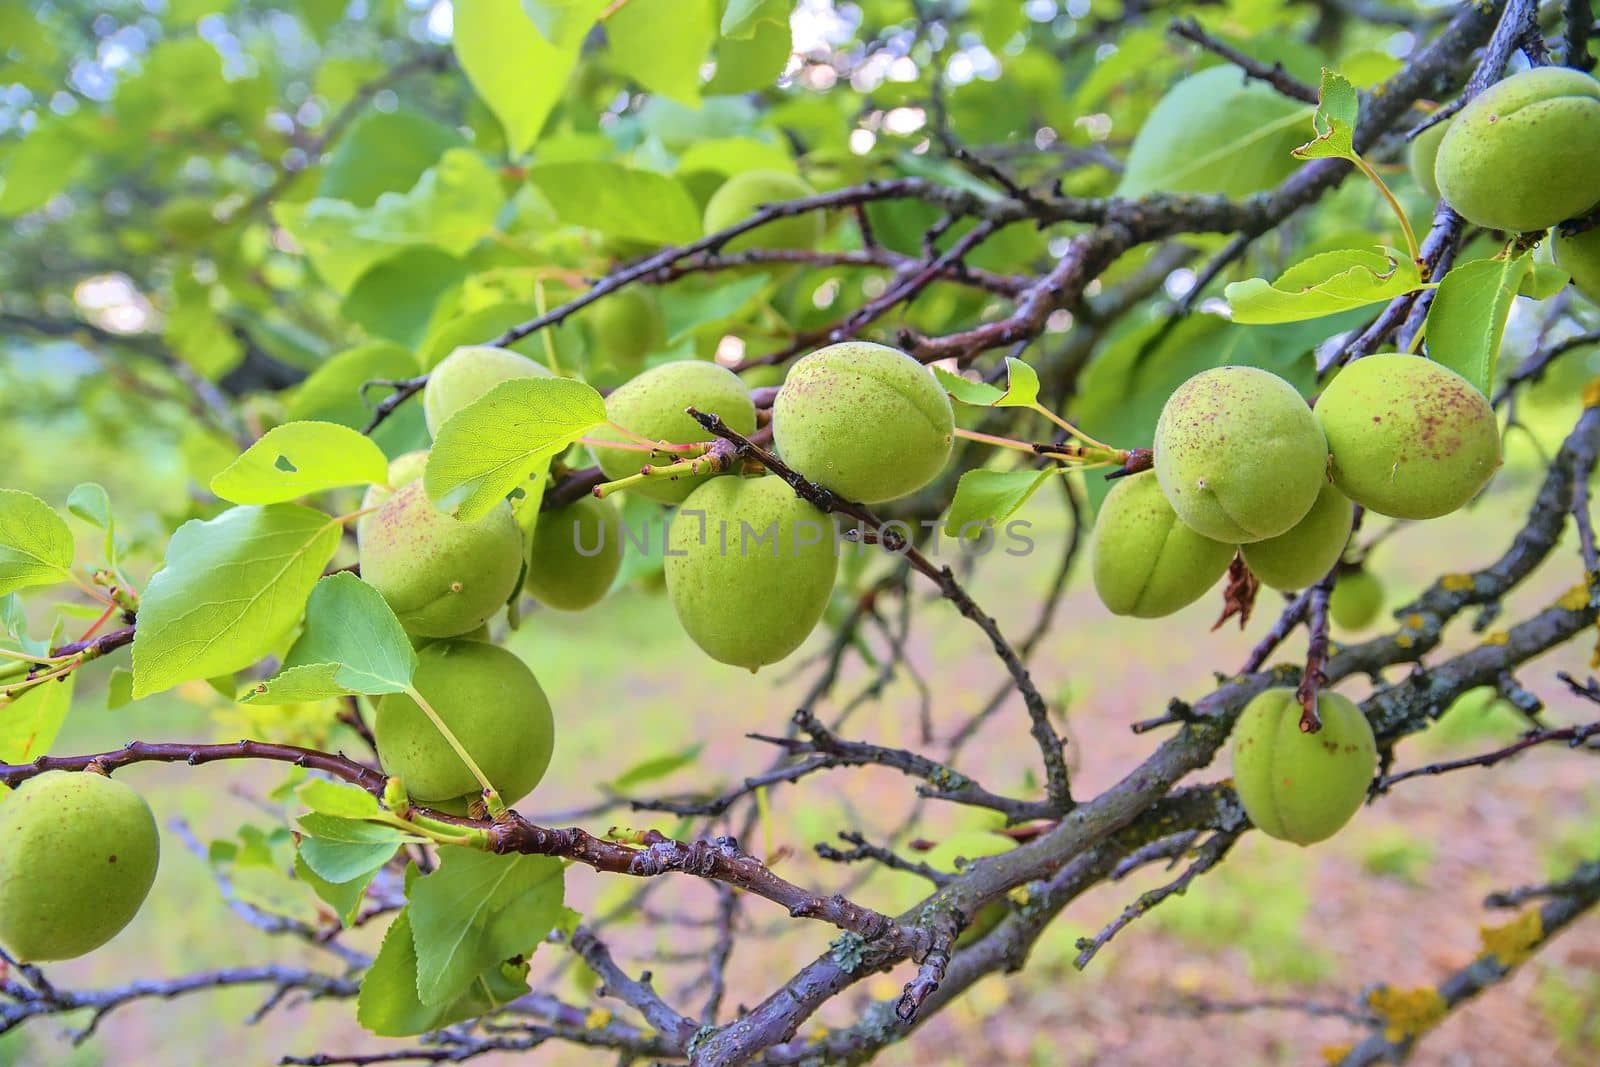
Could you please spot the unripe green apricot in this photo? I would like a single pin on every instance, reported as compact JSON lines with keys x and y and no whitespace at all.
{"x":652,"y":406}
{"x":628,"y":327}
{"x":1422,"y":154}
{"x":865,"y":420}
{"x":441,"y":576}
{"x":1409,"y":437}
{"x":1302,"y":787}
{"x":1356,"y":600}
{"x":750,"y":567}
{"x":1145,"y":562}
{"x":741,"y":195}
{"x":466,"y":374}
{"x":1579,"y":256}
{"x":78,"y":854}
{"x":1305,"y":554}
{"x":493,"y":705}
{"x":1523,"y":155}
{"x":576,"y":553}
{"x":403,"y":470}
{"x":1239,"y":454}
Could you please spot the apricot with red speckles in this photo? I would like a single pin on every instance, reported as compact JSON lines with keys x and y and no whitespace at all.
{"x":1146,"y":563}
{"x":442,"y":576}
{"x":1409,"y":437}
{"x":1523,"y":155}
{"x":1239,"y":454}
{"x":865,"y":420}
{"x":78,"y":854}
{"x":1302,"y":556}
{"x":1297,"y":786}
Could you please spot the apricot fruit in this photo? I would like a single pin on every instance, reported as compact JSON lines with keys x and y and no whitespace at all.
{"x":466,"y":374}
{"x":1239,"y":454}
{"x":575,"y":555}
{"x":441,"y":576}
{"x":1145,"y":562}
{"x":741,"y":195}
{"x":864,"y":420}
{"x":628,"y":327}
{"x":1302,"y":787}
{"x":1410,"y":438}
{"x":1356,"y":600}
{"x":493,"y":705}
{"x":1524,"y":153}
{"x":652,"y":406}
{"x":1579,"y":256}
{"x":78,"y":854}
{"x":750,"y":568}
{"x":1421,"y":155}
{"x":1304,"y":554}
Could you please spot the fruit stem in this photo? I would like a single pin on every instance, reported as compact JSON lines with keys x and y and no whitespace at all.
{"x":1399,"y":212}
{"x":496,"y":805}
{"x":702,"y":464}
{"x":991,"y":439}
{"x":549,"y":342}
{"x":1071,"y":429}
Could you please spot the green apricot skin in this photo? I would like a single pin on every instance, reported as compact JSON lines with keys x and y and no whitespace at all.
{"x":1302,"y":787}
{"x":575,"y":556}
{"x":750,"y":568}
{"x":1410,"y":438}
{"x":78,"y":854}
{"x":1356,"y":601}
{"x":1579,"y":256}
{"x":1239,"y":454}
{"x":652,"y":406}
{"x":441,"y":576}
{"x":628,"y":327}
{"x":741,"y":195}
{"x":495,"y":707}
{"x":466,"y":374}
{"x":1144,"y":561}
{"x":1523,"y":155}
{"x":864,"y":420}
{"x":1309,"y":550}
{"x":1422,"y":154}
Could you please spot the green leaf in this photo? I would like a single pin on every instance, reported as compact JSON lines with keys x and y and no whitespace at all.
{"x":687,"y":310}
{"x":491,"y":446}
{"x":41,"y":166}
{"x":1323,"y":285}
{"x":341,"y":850}
{"x":119,"y":688}
{"x":662,"y":44}
{"x":396,"y":298}
{"x":453,"y":205}
{"x":31,"y":722}
{"x":388,"y":1004}
{"x":333,"y":394}
{"x":35,"y":545}
{"x":512,"y":67}
{"x":657,"y":767}
{"x":343,"y":897}
{"x":384,"y":152}
{"x":231,"y":589}
{"x":561,"y":20}
{"x":199,"y":335}
{"x":1338,"y":106}
{"x":300,"y":458}
{"x":747,"y":64}
{"x":352,"y":643}
{"x":1467,"y":318}
{"x":986,"y":496}
{"x":1544,"y":280}
{"x":1021,"y":391}
{"x":616,"y":200}
{"x":339,"y":799}
{"x":476,"y":910}
{"x":90,"y":502}
{"x":742,"y":18}
{"x":1215,"y":132}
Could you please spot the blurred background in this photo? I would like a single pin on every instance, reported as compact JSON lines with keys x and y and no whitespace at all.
{"x":139,"y":280}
